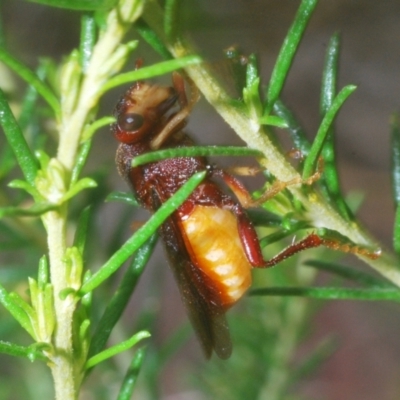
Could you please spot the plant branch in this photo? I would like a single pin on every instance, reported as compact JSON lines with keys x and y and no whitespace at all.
{"x":79,"y":97}
{"x":319,"y":212}
{"x":107,"y":58}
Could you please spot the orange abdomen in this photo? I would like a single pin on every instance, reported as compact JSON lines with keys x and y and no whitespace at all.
{"x":214,"y":242}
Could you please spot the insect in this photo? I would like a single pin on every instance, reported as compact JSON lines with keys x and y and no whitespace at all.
{"x":210,"y":241}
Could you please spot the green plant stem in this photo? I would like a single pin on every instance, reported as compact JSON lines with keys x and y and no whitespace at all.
{"x":288,"y":51}
{"x":88,"y":34}
{"x":97,"y":73}
{"x":61,"y":359}
{"x":17,"y":141}
{"x":131,"y":375}
{"x":323,"y":131}
{"x":196,"y":151}
{"x":107,"y":57}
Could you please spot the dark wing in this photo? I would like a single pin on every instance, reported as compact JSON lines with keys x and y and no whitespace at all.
{"x":198,"y":293}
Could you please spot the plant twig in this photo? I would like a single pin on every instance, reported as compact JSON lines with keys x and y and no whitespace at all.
{"x":318,"y":211}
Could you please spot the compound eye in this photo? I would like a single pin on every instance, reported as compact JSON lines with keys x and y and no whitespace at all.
{"x":130,"y":122}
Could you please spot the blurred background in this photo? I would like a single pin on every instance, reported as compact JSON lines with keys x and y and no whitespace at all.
{"x":367,"y":363}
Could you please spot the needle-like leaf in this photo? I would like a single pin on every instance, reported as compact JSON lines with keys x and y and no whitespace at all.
{"x":142,"y":234}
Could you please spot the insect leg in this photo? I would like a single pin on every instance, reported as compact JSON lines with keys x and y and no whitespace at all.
{"x":247,"y":233}
{"x":251,"y":245}
{"x":243,"y":170}
{"x":314,"y":240}
{"x":253,"y":252}
{"x":310,"y":241}
{"x":249,"y":237}
{"x":244,"y":196}
{"x":179,"y":118}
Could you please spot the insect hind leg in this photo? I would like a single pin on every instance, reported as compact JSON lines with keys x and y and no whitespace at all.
{"x":243,"y":195}
{"x":249,"y":237}
{"x":315,"y":240}
{"x":309,"y":242}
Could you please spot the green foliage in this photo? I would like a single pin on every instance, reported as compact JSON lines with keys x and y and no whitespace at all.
{"x":120,"y":299}
{"x":17,"y":141}
{"x":72,"y":308}
{"x":88,"y":5}
{"x":195,"y":152}
{"x":129,"y":382}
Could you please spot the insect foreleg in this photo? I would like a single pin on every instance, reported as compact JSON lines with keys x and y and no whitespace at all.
{"x":175,"y":123}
